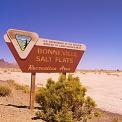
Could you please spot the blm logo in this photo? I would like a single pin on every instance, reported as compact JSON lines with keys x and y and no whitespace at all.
{"x":23,"y":41}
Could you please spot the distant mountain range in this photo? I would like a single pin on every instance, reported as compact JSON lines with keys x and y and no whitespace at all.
{"x":5,"y":64}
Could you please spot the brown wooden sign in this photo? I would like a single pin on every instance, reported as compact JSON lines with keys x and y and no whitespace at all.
{"x":36,"y":55}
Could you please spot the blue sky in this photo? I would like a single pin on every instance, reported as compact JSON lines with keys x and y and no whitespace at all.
{"x":96,"y":23}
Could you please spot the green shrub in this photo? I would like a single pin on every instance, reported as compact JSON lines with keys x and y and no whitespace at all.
{"x":64,"y":101}
{"x":5,"y":91}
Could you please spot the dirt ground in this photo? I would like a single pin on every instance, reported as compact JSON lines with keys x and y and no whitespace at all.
{"x":15,"y":108}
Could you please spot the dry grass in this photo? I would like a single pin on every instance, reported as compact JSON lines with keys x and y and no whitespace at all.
{"x":4,"y":91}
{"x":24,"y":88}
{"x":115,"y":120}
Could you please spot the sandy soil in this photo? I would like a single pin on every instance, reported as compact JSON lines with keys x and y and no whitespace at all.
{"x":104,"y":87}
{"x":15,"y":108}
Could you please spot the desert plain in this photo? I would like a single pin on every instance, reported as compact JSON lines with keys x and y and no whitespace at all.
{"x":104,"y":86}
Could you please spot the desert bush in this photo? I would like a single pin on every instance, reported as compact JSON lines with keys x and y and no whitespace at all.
{"x":5,"y":91}
{"x":64,"y":101}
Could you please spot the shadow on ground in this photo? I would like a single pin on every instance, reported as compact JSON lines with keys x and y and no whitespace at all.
{"x":21,"y":106}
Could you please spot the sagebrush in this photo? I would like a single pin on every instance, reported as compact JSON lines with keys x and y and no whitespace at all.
{"x":64,"y":101}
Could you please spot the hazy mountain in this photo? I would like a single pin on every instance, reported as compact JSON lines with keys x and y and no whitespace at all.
{"x":5,"y":64}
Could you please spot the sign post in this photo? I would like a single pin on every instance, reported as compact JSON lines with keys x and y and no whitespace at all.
{"x":32,"y":91}
{"x":39,"y":55}
{"x":65,"y":74}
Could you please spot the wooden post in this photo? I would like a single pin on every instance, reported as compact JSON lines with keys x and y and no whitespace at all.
{"x":32,"y":91}
{"x":64,"y":73}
